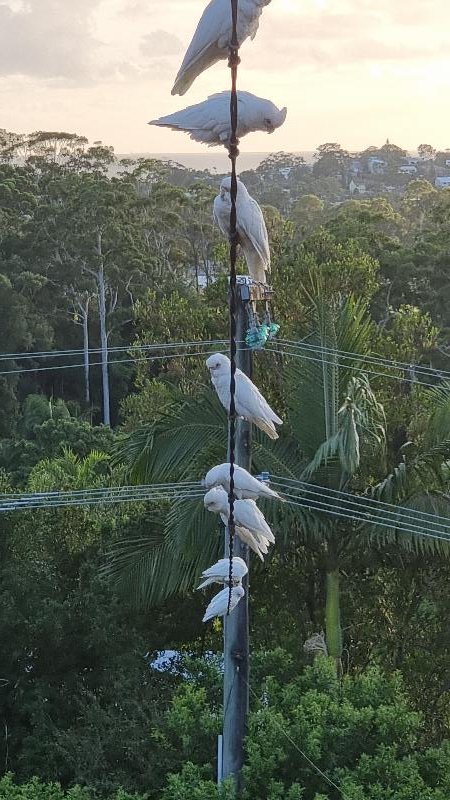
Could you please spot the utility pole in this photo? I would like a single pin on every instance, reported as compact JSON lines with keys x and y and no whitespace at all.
{"x":236,"y":637}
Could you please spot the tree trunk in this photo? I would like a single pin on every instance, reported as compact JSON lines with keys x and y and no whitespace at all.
{"x":333,"y":617}
{"x":85,"y":315}
{"x":103,"y":344}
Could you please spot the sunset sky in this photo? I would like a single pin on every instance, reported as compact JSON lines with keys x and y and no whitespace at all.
{"x":350,"y":71}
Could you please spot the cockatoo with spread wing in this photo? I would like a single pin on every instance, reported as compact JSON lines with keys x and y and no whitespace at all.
{"x":209,"y":121}
{"x":220,"y":572}
{"x":212,"y":39}
{"x":249,"y":401}
{"x":218,"y":606}
{"x":251,"y":228}
{"x":250,"y":524}
{"x":245,"y":485}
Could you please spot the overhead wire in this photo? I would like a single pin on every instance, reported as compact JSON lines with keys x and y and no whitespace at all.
{"x":319,"y":360}
{"x":385,"y":362}
{"x":294,"y":483}
{"x":297,"y":493}
{"x":358,"y":511}
{"x":115,"y":349}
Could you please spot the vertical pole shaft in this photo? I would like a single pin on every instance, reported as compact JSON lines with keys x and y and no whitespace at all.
{"x":236,"y":638}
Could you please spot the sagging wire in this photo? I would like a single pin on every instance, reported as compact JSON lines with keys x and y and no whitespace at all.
{"x":233,"y":152}
{"x":23,"y":356}
{"x":361,"y":368}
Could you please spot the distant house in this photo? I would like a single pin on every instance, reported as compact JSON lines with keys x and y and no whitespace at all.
{"x":408,"y":169}
{"x":411,"y":161}
{"x":376,"y":166}
{"x":356,"y":187}
{"x":447,"y":162}
{"x":443,"y":182}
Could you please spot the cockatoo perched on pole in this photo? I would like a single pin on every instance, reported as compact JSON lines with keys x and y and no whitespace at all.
{"x":218,"y":606}
{"x":209,"y":122}
{"x":245,"y":485}
{"x":250,"y":524}
{"x":249,"y":401}
{"x":251,"y":228}
{"x":220,"y":572}
{"x":212,"y":39}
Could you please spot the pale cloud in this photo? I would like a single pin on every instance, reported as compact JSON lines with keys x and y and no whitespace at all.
{"x":47,"y":39}
{"x":160,"y":43}
{"x":354,"y":71}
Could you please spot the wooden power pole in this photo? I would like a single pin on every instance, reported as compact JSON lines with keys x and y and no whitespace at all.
{"x":236,"y":637}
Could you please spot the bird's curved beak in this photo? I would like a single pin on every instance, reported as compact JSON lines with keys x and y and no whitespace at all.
{"x":202,"y":482}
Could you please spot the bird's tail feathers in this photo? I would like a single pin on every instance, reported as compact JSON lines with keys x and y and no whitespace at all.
{"x":205,"y":583}
{"x":267,"y":427}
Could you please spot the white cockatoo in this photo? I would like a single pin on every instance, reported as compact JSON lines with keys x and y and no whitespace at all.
{"x":220,"y":572}
{"x":249,"y":401}
{"x":251,"y":228}
{"x":218,"y":606}
{"x":209,"y":122}
{"x":212,"y":39}
{"x":250,"y":524}
{"x":245,"y":485}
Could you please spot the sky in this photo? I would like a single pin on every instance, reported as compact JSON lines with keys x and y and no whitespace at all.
{"x":350,"y":71}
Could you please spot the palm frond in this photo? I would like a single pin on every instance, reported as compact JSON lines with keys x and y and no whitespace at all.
{"x":419,"y":537}
{"x":169,"y":559}
{"x":175,"y":446}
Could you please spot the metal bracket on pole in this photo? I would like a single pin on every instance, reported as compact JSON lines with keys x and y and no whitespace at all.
{"x":251,"y":291}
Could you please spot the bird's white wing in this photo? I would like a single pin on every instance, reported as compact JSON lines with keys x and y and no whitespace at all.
{"x":249,"y":516}
{"x":251,"y":400}
{"x":251,"y":224}
{"x":207,"y":45}
{"x":218,"y":605}
{"x":204,"y":115}
{"x":221,"y":215}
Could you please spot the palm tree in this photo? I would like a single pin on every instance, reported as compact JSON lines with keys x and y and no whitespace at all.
{"x":334,"y":433}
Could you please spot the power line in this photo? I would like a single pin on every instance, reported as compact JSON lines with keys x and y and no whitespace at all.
{"x":365,"y":499}
{"x":361,"y":516}
{"x":98,"y":363}
{"x":315,"y":497}
{"x":358,"y":511}
{"x":385,"y":362}
{"x":304,"y":357}
{"x":311,"y":763}
{"x":126,"y":495}
{"x":116,"y":349}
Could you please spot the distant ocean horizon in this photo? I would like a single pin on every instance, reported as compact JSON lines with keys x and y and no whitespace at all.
{"x":213,"y":160}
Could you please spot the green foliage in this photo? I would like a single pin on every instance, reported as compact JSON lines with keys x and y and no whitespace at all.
{"x":38,"y":790}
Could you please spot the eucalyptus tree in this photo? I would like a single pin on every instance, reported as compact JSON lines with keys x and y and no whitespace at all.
{"x":85,"y":235}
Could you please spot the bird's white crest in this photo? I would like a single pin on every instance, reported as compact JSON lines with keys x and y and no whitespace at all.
{"x":249,"y":402}
{"x":209,"y":121}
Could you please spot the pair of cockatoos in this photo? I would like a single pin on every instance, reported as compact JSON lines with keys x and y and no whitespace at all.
{"x":250,"y":526}
{"x":209,"y":121}
{"x":219,"y":573}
